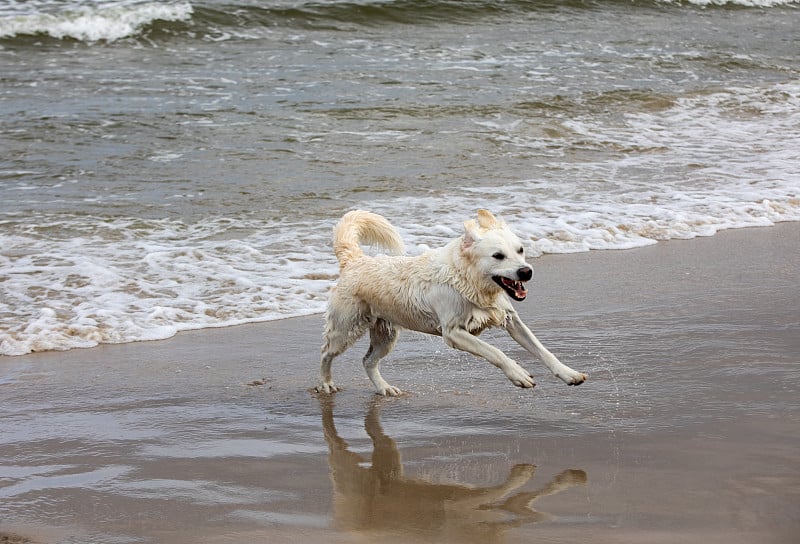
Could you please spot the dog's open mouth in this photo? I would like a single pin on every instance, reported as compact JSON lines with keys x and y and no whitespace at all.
{"x":515,"y":289}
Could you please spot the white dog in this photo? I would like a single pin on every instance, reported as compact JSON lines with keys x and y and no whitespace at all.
{"x":456,"y":292}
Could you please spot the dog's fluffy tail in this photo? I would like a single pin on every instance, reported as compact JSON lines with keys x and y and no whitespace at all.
{"x":359,"y":227}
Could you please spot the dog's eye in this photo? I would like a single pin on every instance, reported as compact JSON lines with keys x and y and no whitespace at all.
{"x":499,"y":256}
{"x":520,"y":251}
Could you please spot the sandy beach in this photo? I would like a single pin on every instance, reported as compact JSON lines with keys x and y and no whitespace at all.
{"x":688,"y":429}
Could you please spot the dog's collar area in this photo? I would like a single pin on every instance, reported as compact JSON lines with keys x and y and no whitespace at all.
{"x":513,"y":288}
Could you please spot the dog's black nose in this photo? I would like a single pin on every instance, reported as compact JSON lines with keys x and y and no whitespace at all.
{"x":525,"y":273}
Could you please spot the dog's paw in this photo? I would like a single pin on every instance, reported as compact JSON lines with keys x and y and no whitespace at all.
{"x":521,"y":473}
{"x":326,"y":388}
{"x":389,"y":391}
{"x":520,"y":377}
{"x":571,"y":477}
{"x":572,"y":377}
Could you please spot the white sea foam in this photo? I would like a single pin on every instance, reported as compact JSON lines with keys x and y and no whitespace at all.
{"x":77,"y":281}
{"x":156,"y":281}
{"x":90,"y":22}
{"x":136,"y":280}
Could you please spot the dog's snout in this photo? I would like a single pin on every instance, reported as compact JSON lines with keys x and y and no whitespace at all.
{"x":525,"y":273}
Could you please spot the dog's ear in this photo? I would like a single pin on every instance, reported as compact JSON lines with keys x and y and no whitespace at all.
{"x":485,"y":219}
{"x":488,"y":221}
{"x":471,"y":236}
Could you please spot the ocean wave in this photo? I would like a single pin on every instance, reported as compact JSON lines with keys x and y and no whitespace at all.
{"x":91,"y":23}
{"x":343,"y":15}
{"x":79,"y":281}
{"x":734,"y":3}
{"x":74,"y":281}
{"x":112,"y":20}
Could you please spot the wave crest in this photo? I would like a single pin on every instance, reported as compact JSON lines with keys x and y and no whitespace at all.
{"x":116,"y":19}
{"x":94,"y":23}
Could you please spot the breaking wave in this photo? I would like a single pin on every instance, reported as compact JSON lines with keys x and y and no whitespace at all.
{"x":109,"y":21}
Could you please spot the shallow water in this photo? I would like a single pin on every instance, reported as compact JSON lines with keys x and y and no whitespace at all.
{"x":685,"y":430}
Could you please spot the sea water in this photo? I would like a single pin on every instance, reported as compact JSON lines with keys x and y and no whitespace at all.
{"x":178,"y":165}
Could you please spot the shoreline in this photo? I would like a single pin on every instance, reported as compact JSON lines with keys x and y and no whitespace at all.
{"x":686,"y":430}
{"x":312,"y":315}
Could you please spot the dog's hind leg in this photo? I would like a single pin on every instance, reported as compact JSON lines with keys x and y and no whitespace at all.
{"x":382,"y":338}
{"x":342,"y":329}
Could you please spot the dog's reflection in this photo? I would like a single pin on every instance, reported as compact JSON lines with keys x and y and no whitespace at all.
{"x":377,"y":498}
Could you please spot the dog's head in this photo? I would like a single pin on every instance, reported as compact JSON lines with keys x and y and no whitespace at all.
{"x":496,"y":254}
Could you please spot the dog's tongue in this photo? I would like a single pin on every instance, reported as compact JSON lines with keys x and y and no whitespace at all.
{"x":518,"y":287}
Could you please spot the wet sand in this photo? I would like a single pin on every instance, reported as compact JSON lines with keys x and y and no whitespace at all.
{"x":688,"y":429}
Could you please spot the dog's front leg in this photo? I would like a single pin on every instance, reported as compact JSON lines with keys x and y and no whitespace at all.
{"x":525,"y":338}
{"x":459,"y":338}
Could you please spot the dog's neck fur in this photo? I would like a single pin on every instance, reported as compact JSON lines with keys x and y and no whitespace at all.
{"x":472,"y":287}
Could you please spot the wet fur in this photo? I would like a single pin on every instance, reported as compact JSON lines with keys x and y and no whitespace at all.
{"x":453,"y":292}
